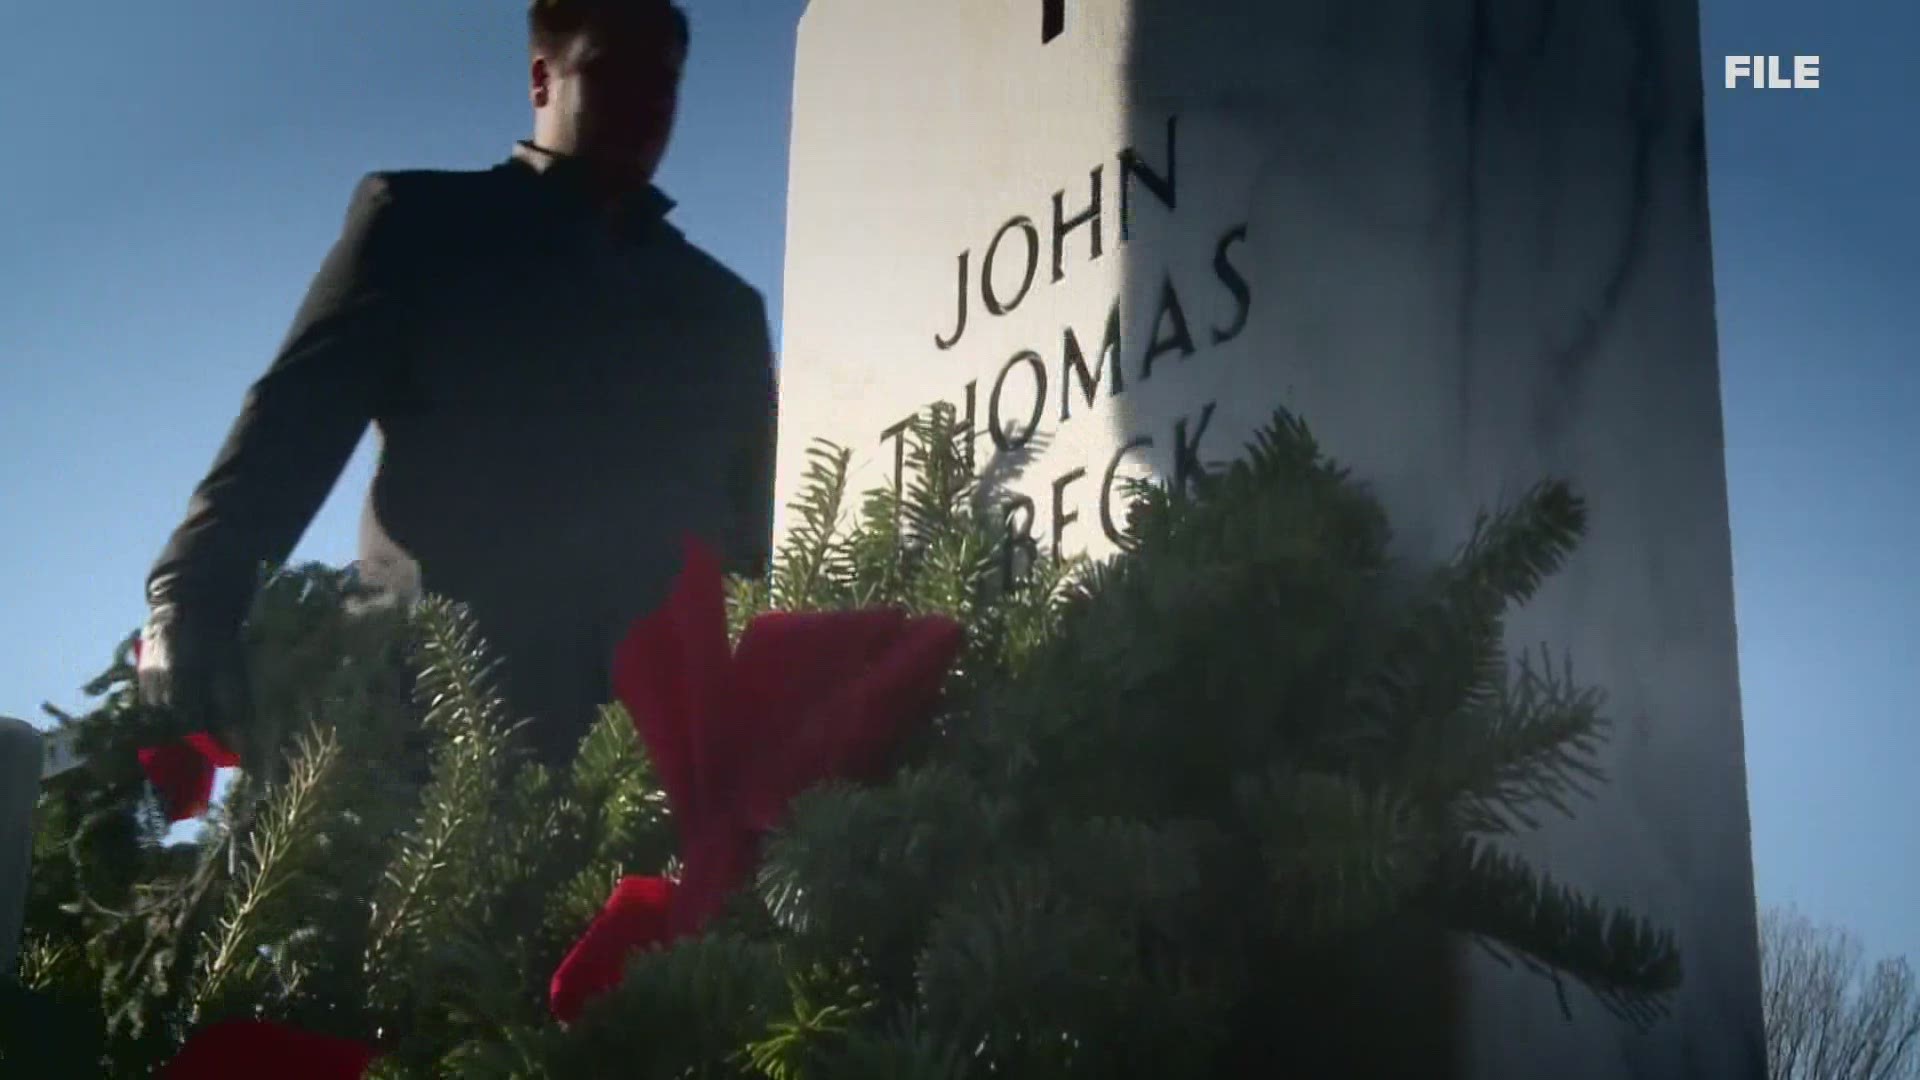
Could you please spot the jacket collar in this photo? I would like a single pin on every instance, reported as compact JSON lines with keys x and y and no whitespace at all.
{"x":566,"y":174}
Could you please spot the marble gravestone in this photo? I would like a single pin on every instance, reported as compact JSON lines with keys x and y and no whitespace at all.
{"x":22,"y":757}
{"x":1466,"y":240}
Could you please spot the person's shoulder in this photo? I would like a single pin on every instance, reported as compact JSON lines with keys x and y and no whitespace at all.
{"x":428,"y":194}
{"x":714,"y":278}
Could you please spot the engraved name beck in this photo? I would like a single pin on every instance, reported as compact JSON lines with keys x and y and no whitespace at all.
{"x":1019,"y":238}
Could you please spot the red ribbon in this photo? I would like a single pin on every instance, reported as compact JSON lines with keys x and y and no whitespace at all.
{"x":248,"y":1049}
{"x":182,"y":772}
{"x":735,"y":735}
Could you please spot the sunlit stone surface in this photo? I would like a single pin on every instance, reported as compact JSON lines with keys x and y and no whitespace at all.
{"x":1466,"y":241}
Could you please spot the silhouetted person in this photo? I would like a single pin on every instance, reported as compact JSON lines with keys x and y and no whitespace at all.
{"x":562,"y":384}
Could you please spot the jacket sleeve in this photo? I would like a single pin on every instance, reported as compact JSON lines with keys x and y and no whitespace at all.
{"x":751,"y":470}
{"x":299,"y":422}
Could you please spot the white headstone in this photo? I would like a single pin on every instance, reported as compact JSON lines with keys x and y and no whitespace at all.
{"x":1466,"y":240}
{"x":21,"y":754}
{"x":61,"y":753}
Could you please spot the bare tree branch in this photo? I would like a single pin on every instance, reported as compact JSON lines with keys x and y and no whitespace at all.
{"x":1827,"y":1018}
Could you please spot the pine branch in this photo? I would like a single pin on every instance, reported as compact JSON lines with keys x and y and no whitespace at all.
{"x":1520,"y":914}
{"x":1533,"y":744}
{"x":514,"y":1053}
{"x":746,"y":599}
{"x":825,"y":1005}
{"x":951,"y":570}
{"x":1340,"y":856}
{"x":810,"y":570}
{"x":1513,"y":550}
{"x":1058,"y":881}
{"x":44,"y":961}
{"x":939,"y":460}
{"x":624,"y":825}
{"x":858,"y":864}
{"x":691,"y":1009}
{"x":1027,"y":618}
{"x":610,"y":757}
{"x":1442,"y":659}
{"x":906,"y":1053}
{"x":1014,"y":964}
{"x":434,"y":860}
{"x":615,"y":785}
{"x":574,"y":903}
{"x":279,"y":846}
{"x":1139,"y":869}
{"x":877,"y":549}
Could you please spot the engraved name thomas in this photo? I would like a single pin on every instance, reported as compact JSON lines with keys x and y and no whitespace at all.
{"x":1018,"y":406}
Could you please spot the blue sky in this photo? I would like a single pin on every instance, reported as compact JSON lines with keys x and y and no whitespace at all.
{"x":177,"y":170}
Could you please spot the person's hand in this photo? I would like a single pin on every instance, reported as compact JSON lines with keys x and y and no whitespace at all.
{"x":198,"y":672}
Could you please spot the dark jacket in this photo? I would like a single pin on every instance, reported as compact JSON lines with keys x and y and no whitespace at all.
{"x":557,"y":402}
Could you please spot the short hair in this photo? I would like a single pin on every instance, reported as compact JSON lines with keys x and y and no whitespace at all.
{"x":553,"y":23}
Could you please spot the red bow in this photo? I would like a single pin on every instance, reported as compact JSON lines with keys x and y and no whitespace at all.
{"x":181,"y":771}
{"x":735,"y":734}
{"x":244,"y":1049}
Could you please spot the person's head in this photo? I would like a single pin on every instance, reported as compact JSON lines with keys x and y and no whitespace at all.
{"x":604,"y":78}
